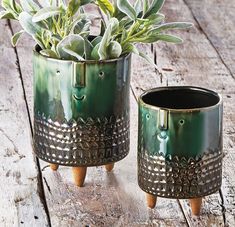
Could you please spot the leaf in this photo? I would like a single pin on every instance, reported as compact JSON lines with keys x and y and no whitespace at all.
{"x":38,"y":39}
{"x":114,"y":50}
{"x":124,"y":34}
{"x":44,"y":3}
{"x":106,"y":6}
{"x":81,"y":25}
{"x":45,"y":13}
{"x":6,"y":15}
{"x":102,"y":27}
{"x":94,"y":53}
{"x":15,"y":37}
{"x":156,"y":37}
{"x":154,"y":8}
{"x":49,"y":53}
{"x":72,"y":53}
{"x":12,"y":7}
{"x":168,"y":26}
{"x":154,"y":19}
{"x":130,"y":48}
{"x":73,"y":7}
{"x":88,"y":49}
{"x":96,"y":40}
{"x":125,"y":7}
{"x":71,"y":45}
{"x":145,"y":6}
{"x":28,"y":25}
{"x":102,"y":51}
{"x":138,"y":6}
{"x":62,"y":3}
{"x":29,"y":5}
{"x":169,"y":38}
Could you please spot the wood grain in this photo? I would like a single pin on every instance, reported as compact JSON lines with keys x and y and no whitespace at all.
{"x":21,"y":204}
{"x":217,"y":20}
{"x":114,"y":199}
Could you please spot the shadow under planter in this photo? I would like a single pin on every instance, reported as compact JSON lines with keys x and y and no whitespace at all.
{"x":81,"y":112}
{"x":180,"y":144}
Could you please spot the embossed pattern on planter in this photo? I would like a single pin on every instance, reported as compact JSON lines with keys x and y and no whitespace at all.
{"x":180,"y":177}
{"x":85,"y":142}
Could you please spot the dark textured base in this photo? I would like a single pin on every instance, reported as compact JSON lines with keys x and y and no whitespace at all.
{"x":180,"y":178}
{"x":85,"y":142}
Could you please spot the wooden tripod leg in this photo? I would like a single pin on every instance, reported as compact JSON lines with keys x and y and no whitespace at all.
{"x":195,"y":204}
{"x":151,"y":200}
{"x":109,"y":167}
{"x":79,"y":174}
{"x":54,"y":167}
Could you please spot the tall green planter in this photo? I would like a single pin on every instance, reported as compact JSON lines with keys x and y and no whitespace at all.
{"x":81,"y":110}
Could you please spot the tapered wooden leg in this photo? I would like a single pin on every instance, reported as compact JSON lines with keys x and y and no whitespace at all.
{"x":196,"y":205}
{"x":151,"y":200}
{"x":109,"y":167}
{"x":79,"y":174}
{"x":54,"y":167}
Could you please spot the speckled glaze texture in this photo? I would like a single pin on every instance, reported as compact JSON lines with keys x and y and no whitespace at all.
{"x":81,"y":110}
{"x":180,"y":150}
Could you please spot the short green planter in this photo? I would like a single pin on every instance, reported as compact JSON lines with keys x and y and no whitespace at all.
{"x":180,"y":144}
{"x":81,"y":111}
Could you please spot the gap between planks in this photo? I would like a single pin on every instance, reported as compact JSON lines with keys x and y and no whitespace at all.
{"x":39,"y":177}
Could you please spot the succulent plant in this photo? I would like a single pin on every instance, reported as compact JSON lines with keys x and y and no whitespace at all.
{"x":62,"y":30}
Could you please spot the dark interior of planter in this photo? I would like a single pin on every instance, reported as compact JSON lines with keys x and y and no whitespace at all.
{"x":181,"y":98}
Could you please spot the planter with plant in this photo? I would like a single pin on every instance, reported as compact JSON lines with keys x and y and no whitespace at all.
{"x":81,"y":82}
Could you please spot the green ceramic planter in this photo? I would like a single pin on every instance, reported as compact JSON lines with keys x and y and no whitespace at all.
{"x":180,"y":142}
{"x":81,"y":110}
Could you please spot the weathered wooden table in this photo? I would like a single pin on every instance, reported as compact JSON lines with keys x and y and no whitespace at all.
{"x":31,"y":194}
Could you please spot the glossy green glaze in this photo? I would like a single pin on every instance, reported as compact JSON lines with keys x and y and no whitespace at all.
{"x":81,"y":110}
{"x":180,"y":132}
{"x":180,"y":142}
{"x":68,"y":90}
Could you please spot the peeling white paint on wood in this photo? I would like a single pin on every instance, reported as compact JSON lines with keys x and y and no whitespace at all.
{"x":20,"y":204}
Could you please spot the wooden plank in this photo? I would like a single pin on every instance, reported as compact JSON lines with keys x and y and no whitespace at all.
{"x":217,"y":20}
{"x":196,"y":62}
{"x":20,"y":193}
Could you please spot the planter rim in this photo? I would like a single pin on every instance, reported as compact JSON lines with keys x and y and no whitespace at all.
{"x":35,"y":51}
{"x":192,"y":88}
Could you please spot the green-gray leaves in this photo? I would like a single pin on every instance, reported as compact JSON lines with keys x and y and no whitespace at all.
{"x":73,"y":7}
{"x":29,"y":6}
{"x":45,"y":13}
{"x":107,"y":47}
{"x":125,"y":7}
{"x":106,"y":6}
{"x":28,"y":25}
{"x":15,"y":37}
{"x":62,"y":27}
{"x":6,"y":15}
{"x":71,"y":47}
{"x":154,"y":8}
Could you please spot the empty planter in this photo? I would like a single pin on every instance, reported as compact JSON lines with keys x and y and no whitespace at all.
{"x":180,"y":144}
